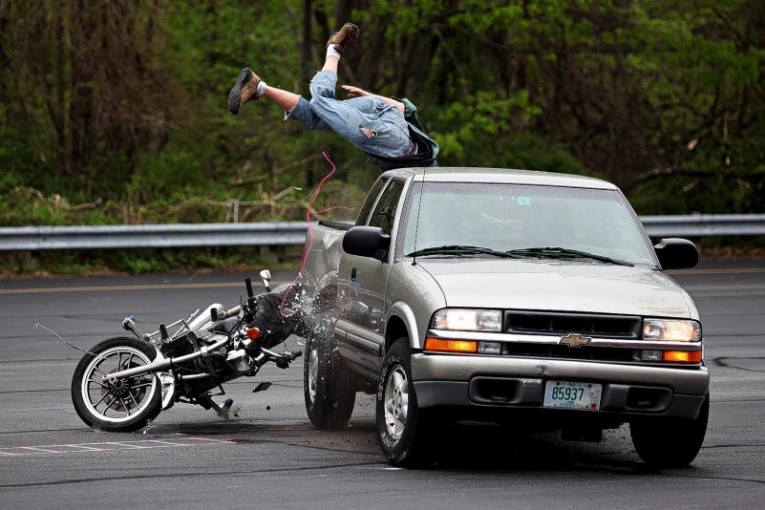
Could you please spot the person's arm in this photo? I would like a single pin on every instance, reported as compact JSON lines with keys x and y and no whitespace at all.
{"x":357,"y":92}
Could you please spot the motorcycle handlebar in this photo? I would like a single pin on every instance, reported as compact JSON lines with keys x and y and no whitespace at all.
{"x":233,"y":311}
{"x":128,"y":324}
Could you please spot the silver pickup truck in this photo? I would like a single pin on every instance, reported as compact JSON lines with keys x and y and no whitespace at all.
{"x":535,"y":300}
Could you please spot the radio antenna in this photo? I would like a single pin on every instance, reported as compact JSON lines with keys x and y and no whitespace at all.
{"x":417,"y":223}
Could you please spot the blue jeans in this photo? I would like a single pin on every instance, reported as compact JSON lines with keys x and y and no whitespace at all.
{"x":387,"y":131}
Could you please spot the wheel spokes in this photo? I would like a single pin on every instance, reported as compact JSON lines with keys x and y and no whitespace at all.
{"x":397,"y":380}
{"x":121,"y":400}
{"x":108,"y":393}
{"x":313,"y":373}
{"x":127,"y":409}
{"x":132,"y":397}
{"x":396,"y":402}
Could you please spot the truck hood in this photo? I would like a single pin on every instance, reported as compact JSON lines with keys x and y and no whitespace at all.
{"x":572,"y":286}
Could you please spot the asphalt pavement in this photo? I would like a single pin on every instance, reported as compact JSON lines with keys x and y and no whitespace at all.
{"x":271,"y":457}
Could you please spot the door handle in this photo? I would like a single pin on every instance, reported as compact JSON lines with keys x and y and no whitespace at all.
{"x":353,"y":274}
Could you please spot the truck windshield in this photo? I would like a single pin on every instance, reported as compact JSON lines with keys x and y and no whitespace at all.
{"x":528,"y":221}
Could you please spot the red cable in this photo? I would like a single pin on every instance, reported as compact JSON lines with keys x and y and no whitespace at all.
{"x":309,"y":214}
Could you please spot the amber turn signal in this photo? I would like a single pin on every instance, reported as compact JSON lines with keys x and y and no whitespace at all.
{"x":437,"y":344}
{"x":682,"y":356}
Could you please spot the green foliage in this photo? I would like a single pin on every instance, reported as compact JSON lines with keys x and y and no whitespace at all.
{"x":115,"y":112}
{"x":142,"y":261}
{"x":481,"y":117}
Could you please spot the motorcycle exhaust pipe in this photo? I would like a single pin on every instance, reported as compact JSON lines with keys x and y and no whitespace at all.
{"x":157,"y":366}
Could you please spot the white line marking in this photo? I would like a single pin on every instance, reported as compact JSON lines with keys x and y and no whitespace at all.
{"x":38,"y":449}
{"x":222,"y":441}
{"x":165,"y":442}
{"x":84,"y":447}
{"x":107,"y":446}
{"x":124,"y":446}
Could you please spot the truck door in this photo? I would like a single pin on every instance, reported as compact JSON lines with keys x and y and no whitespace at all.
{"x":361,"y":286}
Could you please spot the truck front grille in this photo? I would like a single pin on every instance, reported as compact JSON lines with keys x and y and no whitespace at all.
{"x":556,"y":351}
{"x":592,"y":325}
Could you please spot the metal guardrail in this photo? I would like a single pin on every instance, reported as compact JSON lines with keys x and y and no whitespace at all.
{"x":152,"y":236}
{"x":293,"y":233}
{"x":701,"y":225}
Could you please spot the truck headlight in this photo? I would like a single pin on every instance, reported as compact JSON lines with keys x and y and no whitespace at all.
{"x":466,"y":319}
{"x":671,"y":330}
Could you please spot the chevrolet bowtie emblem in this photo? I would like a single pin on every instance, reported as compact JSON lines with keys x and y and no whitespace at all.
{"x":573,"y":340}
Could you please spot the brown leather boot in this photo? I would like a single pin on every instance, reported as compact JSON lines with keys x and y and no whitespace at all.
{"x":245,"y":88}
{"x":347,"y":36}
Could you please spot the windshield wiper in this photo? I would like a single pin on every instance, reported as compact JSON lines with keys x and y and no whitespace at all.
{"x":557,"y":252}
{"x":460,"y":250}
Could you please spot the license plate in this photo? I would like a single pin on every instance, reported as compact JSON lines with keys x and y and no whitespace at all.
{"x":572,"y":395}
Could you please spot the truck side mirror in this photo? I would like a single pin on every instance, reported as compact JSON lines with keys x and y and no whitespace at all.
{"x":367,"y":242}
{"x":675,"y":253}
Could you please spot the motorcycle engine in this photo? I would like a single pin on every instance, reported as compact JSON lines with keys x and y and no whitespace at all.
{"x":179,"y":346}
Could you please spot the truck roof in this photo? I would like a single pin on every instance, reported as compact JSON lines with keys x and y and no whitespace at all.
{"x":500,"y":175}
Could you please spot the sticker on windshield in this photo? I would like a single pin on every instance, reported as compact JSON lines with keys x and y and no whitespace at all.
{"x":523,"y":200}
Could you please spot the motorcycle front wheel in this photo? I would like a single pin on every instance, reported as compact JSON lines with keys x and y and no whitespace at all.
{"x":122,"y":405}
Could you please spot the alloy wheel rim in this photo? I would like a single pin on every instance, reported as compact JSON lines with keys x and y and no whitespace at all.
{"x":396,"y":402}
{"x":313,"y":371}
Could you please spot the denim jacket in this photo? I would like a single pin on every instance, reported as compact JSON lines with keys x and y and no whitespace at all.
{"x":427,"y":148}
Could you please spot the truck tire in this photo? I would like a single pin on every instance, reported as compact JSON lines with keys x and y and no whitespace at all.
{"x":404,"y":431}
{"x":670,"y":442}
{"x":119,"y":406}
{"x":327,"y":386}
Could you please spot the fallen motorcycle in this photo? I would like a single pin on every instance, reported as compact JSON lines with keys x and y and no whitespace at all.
{"x":123,"y":383}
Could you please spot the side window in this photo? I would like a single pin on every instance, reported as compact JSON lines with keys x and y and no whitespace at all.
{"x":370,"y":201}
{"x":385,"y":212}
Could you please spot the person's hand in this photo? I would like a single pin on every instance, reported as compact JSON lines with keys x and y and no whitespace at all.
{"x":352,"y":91}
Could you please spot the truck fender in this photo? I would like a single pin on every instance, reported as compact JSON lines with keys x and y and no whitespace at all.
{"x":403,"y":312}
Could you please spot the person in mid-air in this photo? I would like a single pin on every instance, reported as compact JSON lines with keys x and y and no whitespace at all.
{"x":384,"y":128}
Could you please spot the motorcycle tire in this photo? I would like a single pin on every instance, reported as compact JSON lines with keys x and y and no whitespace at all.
{"x":120,"y":406}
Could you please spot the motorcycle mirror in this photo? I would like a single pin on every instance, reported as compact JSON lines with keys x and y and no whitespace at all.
{"x":265,"y":274}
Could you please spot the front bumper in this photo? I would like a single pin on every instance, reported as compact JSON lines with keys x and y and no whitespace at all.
{"x":518,"y":383}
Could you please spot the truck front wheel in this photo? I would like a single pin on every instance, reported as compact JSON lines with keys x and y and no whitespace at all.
{"x":403,"y":430}
{"x":670,"y":442}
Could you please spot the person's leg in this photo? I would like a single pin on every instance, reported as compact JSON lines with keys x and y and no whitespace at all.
{"x":367,"y":122}
{"x":341,"y":116}
{"x":287,"y":101}
{"x":249,"y":86}
{"x":331,"y":63}
{"x":295,"y":107}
